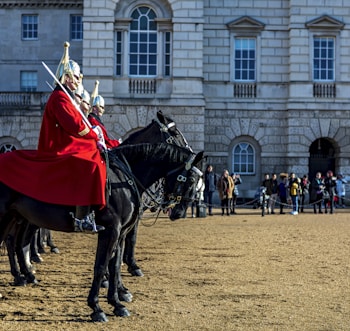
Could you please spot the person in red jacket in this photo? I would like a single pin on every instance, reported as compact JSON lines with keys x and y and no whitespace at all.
{"x":67,"y":168}
{"x":98,"y":109}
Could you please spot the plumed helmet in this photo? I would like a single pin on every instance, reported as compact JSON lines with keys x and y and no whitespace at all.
{"x":86,"y":97}
{"x":98,"y":102}
{"x":83,"y":93}
{"x":79,"y":91}
{"x":67,"y":66}
{"x":94,"y":92}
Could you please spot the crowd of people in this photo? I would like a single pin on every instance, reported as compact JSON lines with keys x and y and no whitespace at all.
{"x":325,"y":192}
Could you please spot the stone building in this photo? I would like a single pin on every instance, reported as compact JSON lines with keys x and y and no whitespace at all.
{"x":260,"y":85}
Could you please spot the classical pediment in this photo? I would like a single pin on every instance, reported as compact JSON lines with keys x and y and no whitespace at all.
{"x":325,"y":22}
{"x":246,"y":23}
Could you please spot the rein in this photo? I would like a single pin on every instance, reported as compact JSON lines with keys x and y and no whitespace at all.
{"x":132,"y":180}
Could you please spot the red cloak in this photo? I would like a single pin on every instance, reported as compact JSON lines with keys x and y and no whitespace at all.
{"x":67,"y":168}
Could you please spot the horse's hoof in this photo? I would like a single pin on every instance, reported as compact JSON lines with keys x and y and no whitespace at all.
{"x":30,"y":278}
{"x":125,"y":296}
{"x":20,"y":281}
{"x":36,"y":259}
{"x":135,"y":271}
{"x":55,"y":250}
{"x":121,"y":311}
{"x":99,"y":317}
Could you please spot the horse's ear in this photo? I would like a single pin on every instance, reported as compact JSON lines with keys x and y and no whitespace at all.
{"x":160,"y":116}
{"x":198,"y":157}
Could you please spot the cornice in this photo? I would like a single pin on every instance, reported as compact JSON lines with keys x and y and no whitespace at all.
{"x":41,"y":4}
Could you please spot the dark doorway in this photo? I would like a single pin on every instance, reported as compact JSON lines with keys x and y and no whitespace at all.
{"x":322,"y":157}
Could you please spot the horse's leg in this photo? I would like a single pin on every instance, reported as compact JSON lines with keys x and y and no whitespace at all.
{"x":40,"y":241}
{"x":104,"y":251}
{"x":26,"y":252}
{"x":34,"y":255}
{"x":19,"y":279}
{"x":24,"y":237}
{"x":129,"y":252}
{"x":116,"y":287}
{"x":50,"y":243}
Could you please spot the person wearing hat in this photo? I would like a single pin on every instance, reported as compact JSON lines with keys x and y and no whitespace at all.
{"x":95,"y":117}
{"x":82,"y":97}
{"x":64,"y":133}
{"x":67,"y":168}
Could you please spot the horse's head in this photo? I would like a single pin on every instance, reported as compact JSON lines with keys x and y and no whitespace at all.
{"x":161,"y":129}
{"x":169,"y":128}
{"x":180,"y":186}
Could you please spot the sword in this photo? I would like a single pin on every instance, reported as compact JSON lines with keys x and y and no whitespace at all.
{"x":86,"y":121}
{"x":49,"y":85}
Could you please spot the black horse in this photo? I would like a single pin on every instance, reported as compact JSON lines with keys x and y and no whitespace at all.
{"x":131,"y":170}
{"x":161,"y":129}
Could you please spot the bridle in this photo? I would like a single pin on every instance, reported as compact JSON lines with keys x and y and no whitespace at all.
{"x":171,"y":140}
{"x":176,"y":196}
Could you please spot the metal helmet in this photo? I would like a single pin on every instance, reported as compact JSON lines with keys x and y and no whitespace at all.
{"x":84,"y":95}
{"x":94,"y":93}
{"x":98,"y":102}
{"x":79,"y":91}
{"x":67,"y":66}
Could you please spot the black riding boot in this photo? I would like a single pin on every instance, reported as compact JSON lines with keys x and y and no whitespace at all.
{"x":84,"y":220}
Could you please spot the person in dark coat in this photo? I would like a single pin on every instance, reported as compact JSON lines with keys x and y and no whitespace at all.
{"x":210,"y":181}
{"x":316,"y":195}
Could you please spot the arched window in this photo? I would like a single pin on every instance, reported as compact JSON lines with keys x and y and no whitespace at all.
{"x":144,"y":50}
{"x":4,"y":148}
{"x":143,"y":43}
{"x":243,"y":159}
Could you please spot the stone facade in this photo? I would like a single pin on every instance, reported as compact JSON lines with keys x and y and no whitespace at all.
{"x":282,"y":116}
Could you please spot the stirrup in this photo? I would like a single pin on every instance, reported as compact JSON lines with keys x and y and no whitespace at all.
{"x":87,"y":224}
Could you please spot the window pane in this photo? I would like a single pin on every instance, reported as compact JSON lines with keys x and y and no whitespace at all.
{"x":134,"y":37}
{"x":133,"y":48}
{"x":133,"y":70}
{"x":152,"y":70}
{"x":152,"y":59}
{"x":143,"y":48}
{"x":144,"y":23}
{"x":143,"y":70}
{"x":153,"y":48}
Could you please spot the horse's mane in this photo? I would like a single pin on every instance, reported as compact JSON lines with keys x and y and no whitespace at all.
{"x":147,"y":151}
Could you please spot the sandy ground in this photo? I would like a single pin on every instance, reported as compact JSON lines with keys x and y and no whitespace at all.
{"x":241,"y":272}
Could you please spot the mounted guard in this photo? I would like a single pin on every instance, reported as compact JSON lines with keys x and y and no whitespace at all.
{"x":95,"y":116}
{"x":67,"y":168}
